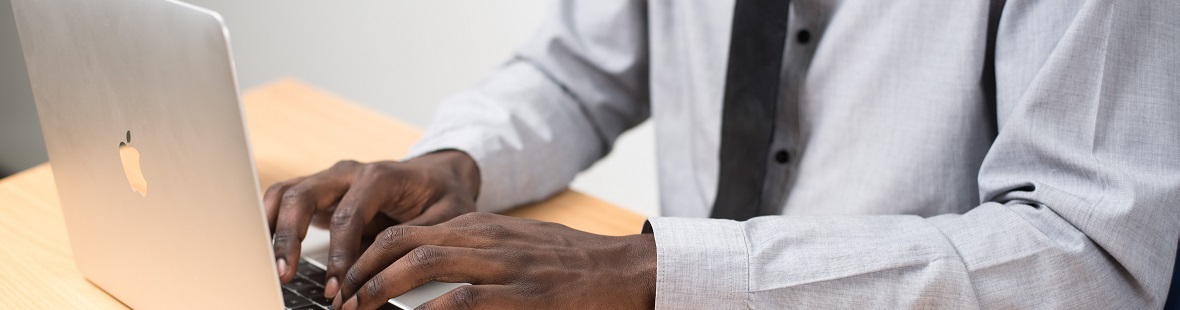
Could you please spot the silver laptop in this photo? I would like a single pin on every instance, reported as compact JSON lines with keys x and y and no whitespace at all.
{"x":139,"y":106}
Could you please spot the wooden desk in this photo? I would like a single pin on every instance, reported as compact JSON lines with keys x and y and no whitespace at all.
{"x":295,"y":130}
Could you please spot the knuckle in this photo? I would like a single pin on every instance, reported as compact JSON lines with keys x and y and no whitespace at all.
{"x":345,"y":164}
{"x":470,"y":218}
{"x":393,"y":233}
{"x":352,"y":278}
{"x":342,"y":219}
{"x":296,"y":193}
{"x":467,"y":216}
{"x":392,"y":236}
{"x":552,"y":226}
{"x":339,"y":258}
{"x":373,"y":288}
{"x":425,"y":257}
{"x":285,"y":245}
{"x":280,"y":251}
{"x":463,"y":297}
{"x":282,"y":239}
{"x":275,"y":188}
{"x":372,"y":170}
{"x":495,"y":231}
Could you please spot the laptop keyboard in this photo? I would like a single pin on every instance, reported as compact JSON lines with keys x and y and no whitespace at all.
{"x":306,"y":290}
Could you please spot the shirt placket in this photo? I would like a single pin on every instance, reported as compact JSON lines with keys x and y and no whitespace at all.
{"x":785,"y":147}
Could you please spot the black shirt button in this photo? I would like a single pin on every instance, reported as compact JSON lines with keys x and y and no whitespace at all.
{"x":803,"y":36}
{"x":782,"y":157}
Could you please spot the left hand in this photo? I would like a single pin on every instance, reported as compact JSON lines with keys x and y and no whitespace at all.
{"x":511,"y":263}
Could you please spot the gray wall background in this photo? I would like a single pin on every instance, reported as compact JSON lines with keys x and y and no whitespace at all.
{"x":397,"y":57}
{"x":20,"y":134}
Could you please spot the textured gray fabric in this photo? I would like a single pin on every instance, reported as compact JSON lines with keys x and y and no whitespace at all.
{"x":903,"y":190}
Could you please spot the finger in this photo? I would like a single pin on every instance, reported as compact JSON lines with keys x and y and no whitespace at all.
{"x":341,"y":175}
{"x":433,"y":263}
{"x":391,"y":245}
{"x":272,"y":198}
{"x":474,"y":297}
{"x":355,"y":210}
{"x":432,"y":216}
{"x":299,"y":203}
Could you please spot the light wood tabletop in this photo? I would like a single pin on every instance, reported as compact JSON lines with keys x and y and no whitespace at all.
{"x":295,"y":130}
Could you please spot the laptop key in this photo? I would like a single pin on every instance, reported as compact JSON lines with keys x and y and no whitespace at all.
{"x":311,"y":292}
{"x":300,"y":285}
{"x":319,"y":299}
{"x":317,"y":277}
{"x":312,"y":307}
{"x":313,"y":273}
{"x":292,"y":300}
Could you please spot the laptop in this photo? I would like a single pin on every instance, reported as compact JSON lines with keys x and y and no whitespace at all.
{"x":139,"y":107}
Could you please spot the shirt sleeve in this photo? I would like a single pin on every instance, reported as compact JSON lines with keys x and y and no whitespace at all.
{"x":1079,"y":190}
{"x":555,"y":108}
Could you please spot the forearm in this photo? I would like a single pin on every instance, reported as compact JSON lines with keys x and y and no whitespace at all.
{"x":526,"y":136}
{"x":554,"y":109}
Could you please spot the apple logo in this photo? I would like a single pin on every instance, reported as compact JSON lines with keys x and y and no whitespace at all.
{"x":130,"y":157}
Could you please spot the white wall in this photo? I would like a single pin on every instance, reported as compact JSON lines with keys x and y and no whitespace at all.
{"x":397,"y":57}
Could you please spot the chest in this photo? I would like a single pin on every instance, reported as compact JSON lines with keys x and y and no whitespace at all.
{"x":888,"y":87}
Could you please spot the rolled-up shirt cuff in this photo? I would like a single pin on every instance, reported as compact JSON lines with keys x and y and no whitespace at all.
{"x":700,"y":263}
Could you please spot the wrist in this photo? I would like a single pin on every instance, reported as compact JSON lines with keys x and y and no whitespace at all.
{"x":458,"y":164}
{"x":642,"y":254}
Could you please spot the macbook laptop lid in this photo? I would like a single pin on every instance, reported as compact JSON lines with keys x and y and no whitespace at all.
{"x":124,"y":86}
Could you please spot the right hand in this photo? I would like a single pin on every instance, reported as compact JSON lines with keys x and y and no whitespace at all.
{"x":354,"y":200}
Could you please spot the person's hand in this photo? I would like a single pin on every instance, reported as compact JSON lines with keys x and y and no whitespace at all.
{"x":512,"y":263}
{"x":357,"y":200}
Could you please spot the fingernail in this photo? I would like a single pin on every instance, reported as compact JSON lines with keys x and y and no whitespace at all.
{"x":331,"y":288}
{"x":336,"y":303}
{"x":282,"y":267}
{"x":350,"y":305}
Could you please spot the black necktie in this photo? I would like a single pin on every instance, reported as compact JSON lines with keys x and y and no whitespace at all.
{"x":751,"y":96}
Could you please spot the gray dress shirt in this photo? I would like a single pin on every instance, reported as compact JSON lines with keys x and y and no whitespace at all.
{"x":905,"y":186}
